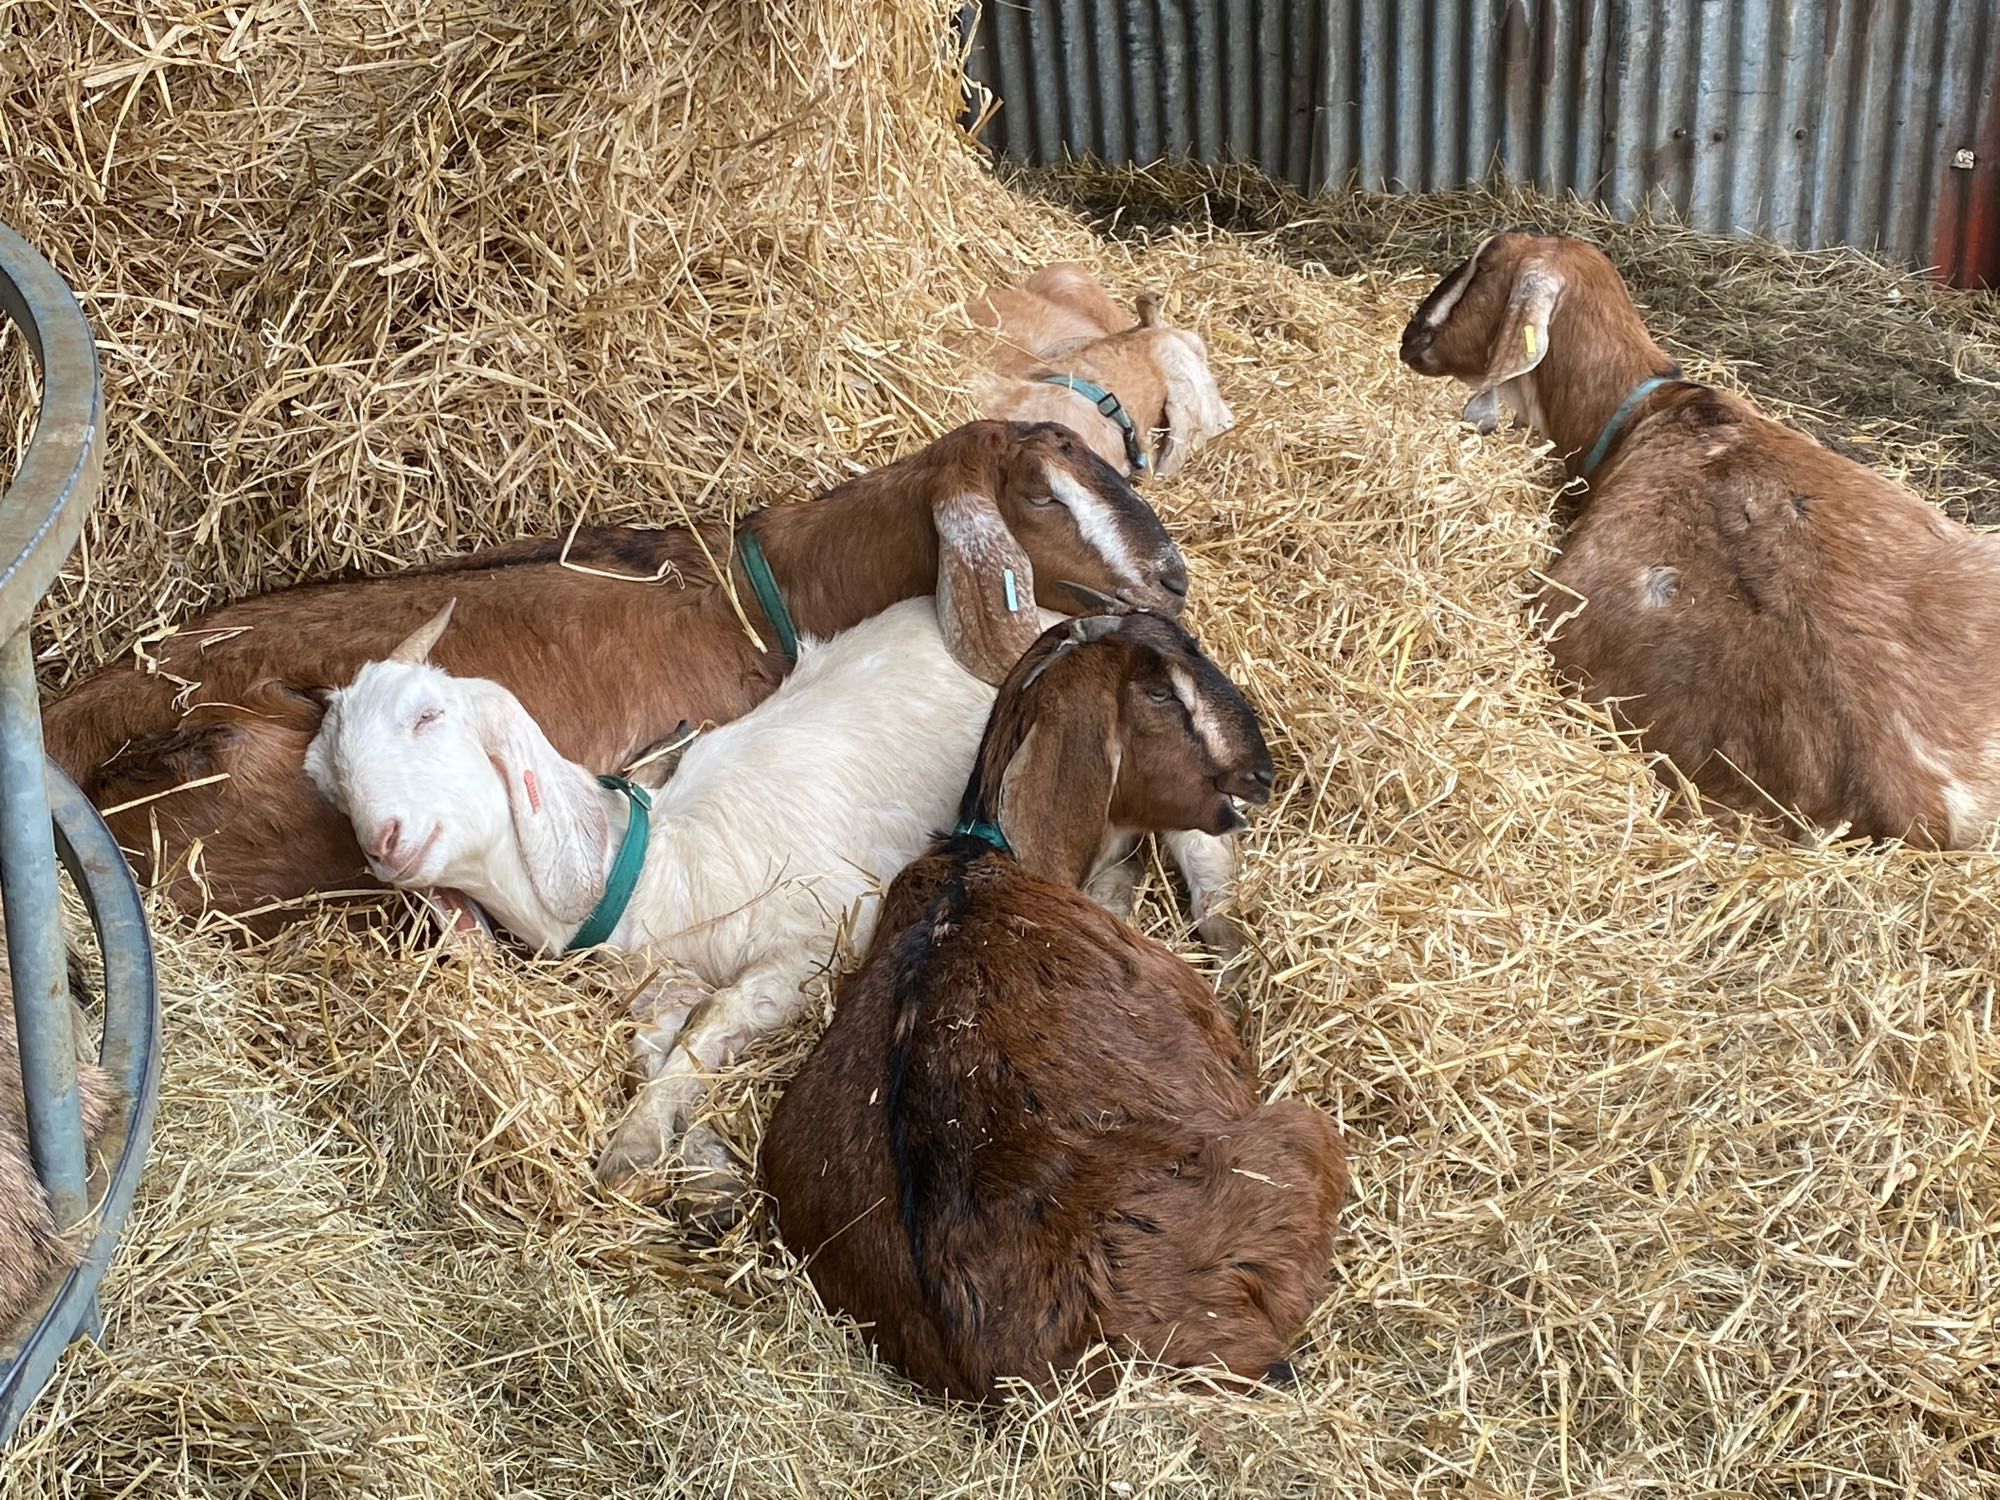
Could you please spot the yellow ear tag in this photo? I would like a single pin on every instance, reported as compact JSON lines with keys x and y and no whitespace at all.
{"x":1528,"y":338}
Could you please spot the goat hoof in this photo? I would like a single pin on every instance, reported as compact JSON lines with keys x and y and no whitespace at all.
{"x":1222,"y":936}
{"x":463,"y":929}
{"x":629,"y":1158}
{"x":712,"y":1203}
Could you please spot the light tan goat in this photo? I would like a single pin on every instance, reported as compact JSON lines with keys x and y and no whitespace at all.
{"x":1137,"y":390}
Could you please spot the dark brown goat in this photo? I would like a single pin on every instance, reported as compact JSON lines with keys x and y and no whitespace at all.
{"x":608,"y":666}
{"x":1030,"y":1128}
{"x":1793,"y":632}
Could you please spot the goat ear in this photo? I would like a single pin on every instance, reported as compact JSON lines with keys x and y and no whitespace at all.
{"x":1195,"y":410}
{"x":416,"y":647}
{"x":559,"y":822}
{"x":1147,"y":305}
{"x":1056,"y":791}
{"x":1521,"y":344}
{"x":985,"y":587}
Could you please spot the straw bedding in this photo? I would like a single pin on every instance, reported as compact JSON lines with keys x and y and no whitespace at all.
{"x":1675,"y":1157}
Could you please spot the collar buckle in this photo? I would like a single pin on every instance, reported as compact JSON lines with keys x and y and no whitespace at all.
{"x":1107,"y":403}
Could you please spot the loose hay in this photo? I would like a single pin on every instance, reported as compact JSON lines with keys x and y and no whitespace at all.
{"x":1675,"y":1158}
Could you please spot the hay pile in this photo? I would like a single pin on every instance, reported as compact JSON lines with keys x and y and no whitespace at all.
{"x":1676,"y":1164}
{"x":1884,"y":365}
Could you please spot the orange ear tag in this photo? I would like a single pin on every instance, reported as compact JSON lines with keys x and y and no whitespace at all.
{"x":534,"y":792}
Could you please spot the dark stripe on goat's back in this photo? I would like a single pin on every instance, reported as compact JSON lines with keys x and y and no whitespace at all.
{"x":917,"y":1169}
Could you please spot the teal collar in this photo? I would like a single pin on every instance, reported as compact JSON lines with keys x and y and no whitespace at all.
{"x":1112,"y":407}
{"x":1619,"y":417}
{"x":985,"y":832}
{"x":624,"y":877}
{"x":759,"y":568}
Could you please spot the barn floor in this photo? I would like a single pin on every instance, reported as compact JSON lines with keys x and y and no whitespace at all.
{"x":1675,"y":1157}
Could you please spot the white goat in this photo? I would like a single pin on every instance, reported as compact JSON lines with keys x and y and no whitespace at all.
{"x":777,"y":831}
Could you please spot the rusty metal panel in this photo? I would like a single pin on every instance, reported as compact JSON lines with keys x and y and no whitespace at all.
{"x":1816,"y":122}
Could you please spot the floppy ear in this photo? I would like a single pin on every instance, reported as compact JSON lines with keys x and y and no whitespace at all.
{"x":985,"y":587}
{"x":1520,"y":345}
{"x":559,"y":823}
{"x":1195,"y":410}
{"x":1056,"y":791}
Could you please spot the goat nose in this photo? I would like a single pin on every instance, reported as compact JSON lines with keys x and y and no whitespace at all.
{"x":384,"y":843}
{"x":1174,"y":579}
{"x":1265,"y":776}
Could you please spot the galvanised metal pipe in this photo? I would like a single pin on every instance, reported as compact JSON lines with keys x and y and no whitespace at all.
{"x":35,"y":954}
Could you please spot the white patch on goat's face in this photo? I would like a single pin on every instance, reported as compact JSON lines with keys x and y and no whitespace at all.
{"x":1096,"y":523}
{"x":401,"y":754}
{"x":1197,"y":706}
{"x":1442,"y":308}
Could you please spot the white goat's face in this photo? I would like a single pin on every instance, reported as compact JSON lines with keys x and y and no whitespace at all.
{"x":403,"y":753}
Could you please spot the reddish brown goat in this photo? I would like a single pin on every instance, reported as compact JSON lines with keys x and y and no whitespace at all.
{"x":30,"y":1248}
{"x":1030,"y":1128}
{"x":608,"y":666}
{"x":1062,"y":323}
{"x":1791,"y":631}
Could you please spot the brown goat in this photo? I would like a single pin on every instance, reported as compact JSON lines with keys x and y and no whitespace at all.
{"x":1062,"y":323}
{"x":30,"y":1248}
{"x":1792,"y":632}
{"x":608,"y":665}
{"x":1029,"y":1128}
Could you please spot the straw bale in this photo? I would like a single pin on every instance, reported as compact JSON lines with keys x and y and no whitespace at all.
{"x":1675,"y":1157}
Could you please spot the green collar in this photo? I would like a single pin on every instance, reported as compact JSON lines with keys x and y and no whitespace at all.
{"x":1112,"y":407}
{"x":985,"y":832}
{"x":624,"y":877}
{"x":755,"y":564}
{"x":1602,"y":447}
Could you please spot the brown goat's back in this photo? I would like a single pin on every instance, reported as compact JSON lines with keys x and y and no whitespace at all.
{"x":1030,"y":1127}
{"x":239,"y":693}
{"x":1788,"y":627}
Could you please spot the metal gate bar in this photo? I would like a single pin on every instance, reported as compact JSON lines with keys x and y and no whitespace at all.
{"x":42,"y":818}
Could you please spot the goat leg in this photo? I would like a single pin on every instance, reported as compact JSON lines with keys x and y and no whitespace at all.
{"x":1114,"y":882}
{"x":1208,"y":865}
{"x":662,"y":1123}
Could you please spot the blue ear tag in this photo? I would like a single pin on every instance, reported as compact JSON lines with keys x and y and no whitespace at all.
{"x":1013,"y":599}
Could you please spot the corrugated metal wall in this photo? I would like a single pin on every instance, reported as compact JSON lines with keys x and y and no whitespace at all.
{"x":1817,"y":122}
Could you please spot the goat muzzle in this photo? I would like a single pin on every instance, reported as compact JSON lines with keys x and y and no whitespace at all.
{"x":1252,"y":784}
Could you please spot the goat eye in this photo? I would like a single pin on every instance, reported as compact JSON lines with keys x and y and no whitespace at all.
{"x":1160,"y":694}
{"x":1042,"y":499}
{"x":427,"y":718}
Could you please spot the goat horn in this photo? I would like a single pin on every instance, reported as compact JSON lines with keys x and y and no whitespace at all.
{"x":1103,"y":603}
{"x":1082,"y":631}
{"x":1094,"y":628}
{"x":416,"y":649}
